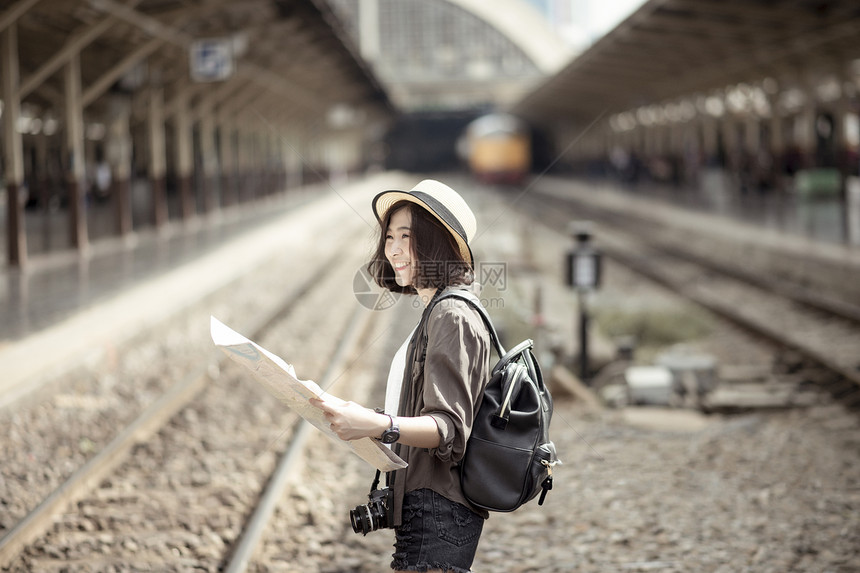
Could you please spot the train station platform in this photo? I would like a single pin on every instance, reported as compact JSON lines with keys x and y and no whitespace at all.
{"x":63,"y":308}
{"x":797,"y":241}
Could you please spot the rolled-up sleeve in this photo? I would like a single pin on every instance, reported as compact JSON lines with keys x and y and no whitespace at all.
{"x":456,"y":368}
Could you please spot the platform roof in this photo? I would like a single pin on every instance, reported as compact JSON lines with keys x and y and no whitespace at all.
{"x":673,"y":48}
{"x":291,"y":57}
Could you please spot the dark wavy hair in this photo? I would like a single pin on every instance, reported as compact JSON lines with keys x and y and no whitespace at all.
{"x":440,"y":263}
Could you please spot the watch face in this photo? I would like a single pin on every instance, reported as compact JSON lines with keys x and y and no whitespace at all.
{"x":390,"y":436}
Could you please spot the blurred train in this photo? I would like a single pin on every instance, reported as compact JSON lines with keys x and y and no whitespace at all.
{"x":497,"y":148}
{"x":494,"y":147}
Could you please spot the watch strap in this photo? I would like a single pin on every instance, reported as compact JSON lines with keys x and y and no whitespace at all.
{"x":392,"y":427}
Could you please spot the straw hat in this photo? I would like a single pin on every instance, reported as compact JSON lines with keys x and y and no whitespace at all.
{"x":443,"y":203}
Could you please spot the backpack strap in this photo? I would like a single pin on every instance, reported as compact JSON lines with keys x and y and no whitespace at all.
{"x":504,"y":356}
{"x":473,"y":301}
{"x":511,"y":381}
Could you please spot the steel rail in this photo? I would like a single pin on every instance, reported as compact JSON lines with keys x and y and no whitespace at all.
{"x":620,"y":224}
{"x":808,"y":297}
{"x":37,"y":521}
{"x":287,"y":466}
{"x":739,"y":318}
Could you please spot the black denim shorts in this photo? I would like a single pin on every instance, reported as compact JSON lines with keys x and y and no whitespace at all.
{"x":436,"y":533}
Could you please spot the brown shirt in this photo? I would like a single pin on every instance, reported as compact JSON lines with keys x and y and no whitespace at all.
{"x":447,"y":384}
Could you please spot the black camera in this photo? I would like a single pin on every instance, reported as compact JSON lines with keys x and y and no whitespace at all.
{"x":378,"y":513}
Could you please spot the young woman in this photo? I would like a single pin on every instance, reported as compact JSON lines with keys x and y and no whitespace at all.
{"x":430,"y":402}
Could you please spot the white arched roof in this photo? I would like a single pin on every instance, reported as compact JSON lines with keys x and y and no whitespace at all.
{"x":525,"y":27}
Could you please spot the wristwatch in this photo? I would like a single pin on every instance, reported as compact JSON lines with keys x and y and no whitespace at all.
{"x":392,"y":433}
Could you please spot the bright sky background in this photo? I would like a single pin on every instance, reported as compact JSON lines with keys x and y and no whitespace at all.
{"x":606,"y":14}
{"x":594,"y":18}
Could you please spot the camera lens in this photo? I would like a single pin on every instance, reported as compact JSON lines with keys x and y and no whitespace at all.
{"x":374,"y":515}
{"x":361,"y":520}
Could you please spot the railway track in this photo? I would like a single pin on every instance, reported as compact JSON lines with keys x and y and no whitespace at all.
{"x":177,"y":483}
{"x":824,"y":331}
{"x":187,"y":496}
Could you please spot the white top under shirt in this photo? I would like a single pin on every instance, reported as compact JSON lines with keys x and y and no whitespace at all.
{"x":395,"y":377}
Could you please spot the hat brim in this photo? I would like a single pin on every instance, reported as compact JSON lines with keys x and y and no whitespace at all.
{"x":385,"y":200}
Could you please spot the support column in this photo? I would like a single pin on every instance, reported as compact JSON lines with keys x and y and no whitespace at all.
{"x":850,"y":187}
{"x":13,"y":148}
{"x":691,"y":154}
{"x":752,"y":135}
{"x":676,"y":138}
{"x":240,"y":179}
{"x":274,"y":162}
{"x":663,"y":135}
{"x":243,"y":154}
{"x":650,"y":137}
{"x":278,"y":160}
{"x":605,"y":139}
{"x":210,"y":162}
{"x":118,"y":155}
{"x":157,"y":159}
{"x":732,"y":144}
{"x":265,"y":138}
{"x":777,"y":134}
{"x":255,"y":162}
{"x":804,"y":129}
{"x":40,"y":173}
{"x":778,"y":144}
{"x":751,"y":142}
{"x":75,"y":176}
{"x":227,"y":155}
{"x":292,"y":160}
{"x":841,"y":111}
{"x":184,"y":160}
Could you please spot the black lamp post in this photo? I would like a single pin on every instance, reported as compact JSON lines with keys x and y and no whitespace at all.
{"x":583,"y":274}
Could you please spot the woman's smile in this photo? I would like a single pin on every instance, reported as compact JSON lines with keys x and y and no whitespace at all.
{"x":398,"y":246}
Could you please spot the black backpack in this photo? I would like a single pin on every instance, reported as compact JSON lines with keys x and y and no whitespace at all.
{"x":509,"y":456}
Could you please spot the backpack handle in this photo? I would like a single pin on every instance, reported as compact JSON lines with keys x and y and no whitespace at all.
{"x":513,"y":353}
{"x":511,"y":389}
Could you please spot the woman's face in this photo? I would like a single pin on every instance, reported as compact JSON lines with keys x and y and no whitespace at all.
{"x":398,"y":249}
